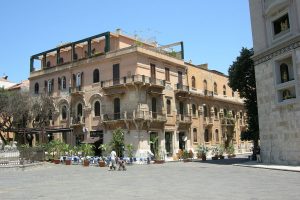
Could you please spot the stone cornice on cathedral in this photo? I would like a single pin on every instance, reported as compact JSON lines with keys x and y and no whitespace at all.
{"x":276,"y":51}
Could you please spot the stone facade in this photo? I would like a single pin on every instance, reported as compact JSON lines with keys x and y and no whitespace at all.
{"x":276,"y":39}
{"x":118,"y":81}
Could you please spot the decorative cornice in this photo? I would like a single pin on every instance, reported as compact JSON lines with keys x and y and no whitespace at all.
{"x":276,"y":51}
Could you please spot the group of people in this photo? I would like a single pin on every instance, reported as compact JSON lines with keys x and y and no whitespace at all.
{"x":114,"y":161}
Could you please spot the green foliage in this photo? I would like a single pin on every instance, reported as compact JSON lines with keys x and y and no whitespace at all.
{"x":105,"y":148}
{"x":230,"y":149}
{"x":87,"y":149}
{"x":242,"y":79}
{"x":185,"y":154}
{"x":55,"y":148}
{"x":117,"y":141}
{"x":202,"y":150}
{"x":130,"y":150}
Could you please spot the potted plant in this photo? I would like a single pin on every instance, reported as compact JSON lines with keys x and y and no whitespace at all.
{"x":54,"y":148}
{"x":215,"y":153}
{"x":67,"y":149}
{"x":230,"y":151}
{"x":87,"y":150}
{"x":186,"y":156}
{"x":158,"y":158}
{"x":130,"y":149}
{"x":221,"y":151}
{"x":202,"y":152}
{"x":104,"y":148}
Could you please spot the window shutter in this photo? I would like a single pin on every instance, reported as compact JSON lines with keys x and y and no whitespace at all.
{"x":81,"y":79}
{"x":74,"y":80}
{"x":59,"y":83}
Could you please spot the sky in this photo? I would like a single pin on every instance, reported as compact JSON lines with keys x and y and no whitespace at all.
{"x":213,"y":31}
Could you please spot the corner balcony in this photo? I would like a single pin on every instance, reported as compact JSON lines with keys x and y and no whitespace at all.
{"x":208,"y":93}
{"x":134,"y":79}
{"x":116,"y":117}
{"x":184,"y":119}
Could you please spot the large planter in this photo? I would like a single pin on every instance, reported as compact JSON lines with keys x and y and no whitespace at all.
{"x":159,"y":161}
{"x":56,"y":161}
{"x":203,"y":157}
{"x":215,"y":157}
{"x":86,"y":163}
{"x":68,"y":162}
{"x":101,"y":163}
{"x":231,"y":156}
{"x":221,"y":157}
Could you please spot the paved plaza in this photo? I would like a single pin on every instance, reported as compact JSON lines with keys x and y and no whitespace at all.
{"x":176,"y":180}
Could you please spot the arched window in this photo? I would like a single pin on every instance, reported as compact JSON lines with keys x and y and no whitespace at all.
{"x":206,"y":135}
{"x":215,"y":88}
{"x":117,"y":110}
{"x":64,"y":82}
{"x":193,"y":82}
{"x":61,"y":60}
{"x":97,"y":108}
{"x":284,"y":73}
{"x":168,"y":106}
{"x":48,"y":64}
{"x":79,"y":110}
{"x":36,"y":88}
{"x":64,"y":112}
{"x":224,"y":90}
{"x":233,"y":114}
{"x":195,"y":135}
{"x":50,"y":85}
{"x":96,"y":76}
{"x":78,"y":79}
{"x":205,"y":85}
{"x":217,"y":135}
{"x":194,"y":110}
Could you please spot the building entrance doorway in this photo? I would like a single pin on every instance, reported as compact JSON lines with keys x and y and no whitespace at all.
{"x":169,"y":143}
{"x":182,"y":140}
{"x":153,"y":142}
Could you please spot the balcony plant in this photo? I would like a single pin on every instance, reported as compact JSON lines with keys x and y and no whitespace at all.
{"x":54,"y":148}
{"x":202,"y":151}
{"x":105,"y":149}
{"x":158,"y":158}
{"x":67,"y":151}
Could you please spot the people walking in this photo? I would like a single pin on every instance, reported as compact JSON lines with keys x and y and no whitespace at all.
{"x":112,"y":164}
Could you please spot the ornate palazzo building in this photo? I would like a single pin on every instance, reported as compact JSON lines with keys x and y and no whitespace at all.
{"x":276,"y":40}
{"x":111,"y":80}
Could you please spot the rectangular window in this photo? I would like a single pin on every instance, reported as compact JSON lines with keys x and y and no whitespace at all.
{"x":167,"y":74}
{"x":116,"y":74}
{"x":153,"y":71}
{"x":281,"y":24}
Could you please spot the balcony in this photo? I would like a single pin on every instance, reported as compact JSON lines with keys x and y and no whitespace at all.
{"x":184,"y":119}
{"x":134,"y":79}
{"x":208,"y":121}
{"x":75,"y":90}
{"x":77,"y":121}
{"x":115,"y":117}
{"x":208,"y":93}
{"x":149,"y":115}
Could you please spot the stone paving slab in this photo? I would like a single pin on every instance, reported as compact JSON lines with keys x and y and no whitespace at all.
{"x":254,"y":164}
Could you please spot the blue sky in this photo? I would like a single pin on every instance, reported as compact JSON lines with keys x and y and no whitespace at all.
{"x":213,"y":31}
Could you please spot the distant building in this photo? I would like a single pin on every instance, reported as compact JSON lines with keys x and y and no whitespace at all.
{"x":23,"y":86}
{"x":112,"y":80}
{"x":5,"y":83}
{"x":276,"y":40}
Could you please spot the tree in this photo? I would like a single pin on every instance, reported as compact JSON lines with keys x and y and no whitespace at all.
{"x":242,"y":79}
{"x":14,"y":111}
{"x":117,"y":141}
{"x":42,"y":111}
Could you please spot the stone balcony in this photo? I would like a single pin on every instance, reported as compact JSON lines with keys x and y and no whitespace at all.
{"x":76,"y":90}
{"x":208,"y":121}
{"x":184,"y":119}
{"x":130,"y":80}
{"x":77,"y":121}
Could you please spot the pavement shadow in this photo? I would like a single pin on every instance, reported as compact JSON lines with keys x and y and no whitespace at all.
{"x":230,"y":161}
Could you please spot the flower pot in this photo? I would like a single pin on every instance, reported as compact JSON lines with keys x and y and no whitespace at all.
{"x":203,"y":157}
{"x":86,"y":163}
{"x":101,"y":163}
{"x":221,"y":157}
{"x":68,"y":162}
{"x":231,"y":156}
{"x":56,"y":161}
